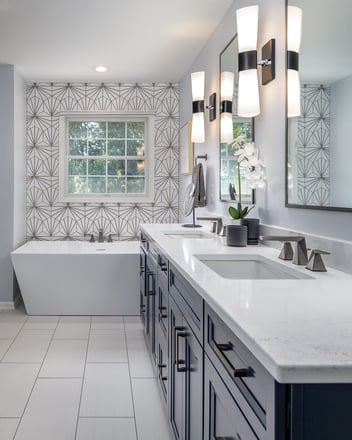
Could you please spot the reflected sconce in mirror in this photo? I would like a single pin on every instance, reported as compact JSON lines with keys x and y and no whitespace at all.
{"x":294,"y":32}
{"x":198,"y":107}
{"x":226,"y":97}
{"x":248,"y":89}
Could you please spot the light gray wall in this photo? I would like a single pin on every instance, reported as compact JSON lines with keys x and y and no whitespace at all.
{"x":19,"y":225}
{"x":269,"y":127}
{"x":12,"y":147}
{"x":341,"y":144}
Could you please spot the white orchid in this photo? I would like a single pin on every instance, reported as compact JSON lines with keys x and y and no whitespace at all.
{"x":248,"y":158}
{"x":253,"y":170}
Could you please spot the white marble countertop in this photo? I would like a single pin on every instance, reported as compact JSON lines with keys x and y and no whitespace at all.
{"x":299,"y":329}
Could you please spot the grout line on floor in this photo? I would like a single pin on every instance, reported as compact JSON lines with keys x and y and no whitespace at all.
{"x":84,"y":372}
{"x":129,"y":373}
{"x":14,"y":340}
{"x":34,"y":383}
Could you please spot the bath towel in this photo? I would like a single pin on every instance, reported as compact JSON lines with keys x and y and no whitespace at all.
{"x":198,"y":180}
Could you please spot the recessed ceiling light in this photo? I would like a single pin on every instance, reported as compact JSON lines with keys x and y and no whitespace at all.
{"x":100,"y":69}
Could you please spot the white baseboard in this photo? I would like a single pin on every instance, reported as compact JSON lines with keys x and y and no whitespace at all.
{"x":7,"y":305}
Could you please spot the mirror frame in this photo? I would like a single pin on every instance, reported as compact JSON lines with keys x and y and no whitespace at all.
{"x":252,"y":202}
{"x":287,"y":204}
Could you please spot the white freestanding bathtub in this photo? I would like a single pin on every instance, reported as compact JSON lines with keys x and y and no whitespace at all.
{"x":78,"y":278}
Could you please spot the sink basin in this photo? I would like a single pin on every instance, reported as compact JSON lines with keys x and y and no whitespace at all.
{"x":249,"y":267}
{"x":187,"y":234}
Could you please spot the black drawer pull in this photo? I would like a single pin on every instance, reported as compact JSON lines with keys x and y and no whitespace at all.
{"x":227,"y":438}
{"x":163,"y":267}
{"x":162,"y":315}
{"x":236,"y":372}
{"x":150,"y":283}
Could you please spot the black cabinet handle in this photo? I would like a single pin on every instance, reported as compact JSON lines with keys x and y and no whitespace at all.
{"x":227,"y":438}
{"x":161,"y":315}
{"x":150,"y":290}
{"x":236,"y":372}
{"x":177,"y":335}
{"x":163,"y":267}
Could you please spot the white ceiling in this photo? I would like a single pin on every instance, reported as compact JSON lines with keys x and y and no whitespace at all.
{"x":139,"y":40}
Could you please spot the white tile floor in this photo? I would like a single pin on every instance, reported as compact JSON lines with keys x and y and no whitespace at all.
{"x":77,"y":378}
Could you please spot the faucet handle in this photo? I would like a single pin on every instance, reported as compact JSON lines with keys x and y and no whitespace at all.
{"x":286,"y":251}
{"x":110,"y":240}
{"x":315,"y":262}
{"x":92,"y":239}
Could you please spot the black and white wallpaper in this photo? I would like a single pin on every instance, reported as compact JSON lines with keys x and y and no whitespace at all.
{"x":313,"y":146}
{"x":50,"y":219}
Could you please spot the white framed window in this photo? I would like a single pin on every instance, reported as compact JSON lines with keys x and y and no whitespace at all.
{"x":106,"y":157}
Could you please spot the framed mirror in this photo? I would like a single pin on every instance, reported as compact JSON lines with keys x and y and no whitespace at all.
{"x":319,"y":142}
{"x":230,"y":173}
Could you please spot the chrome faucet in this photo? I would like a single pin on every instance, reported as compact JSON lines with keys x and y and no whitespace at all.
{"x":218,"y":225}
{"x":300,"y":256}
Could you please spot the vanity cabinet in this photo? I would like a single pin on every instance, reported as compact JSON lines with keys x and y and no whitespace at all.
{"x":148,"y":300}
{"x":237,"y":388}
{"x":162,"y":315}
{"x":214,"y":388}
{"x":142,"y":288}
{"x":186,"y":358}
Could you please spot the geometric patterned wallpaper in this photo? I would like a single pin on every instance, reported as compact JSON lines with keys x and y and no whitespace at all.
{"x":49,"y":219}
{"x":313,"y":146}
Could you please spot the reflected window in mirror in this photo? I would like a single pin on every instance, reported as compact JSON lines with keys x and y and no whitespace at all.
{"x":319,"y":150}
{"x":229,"y":169}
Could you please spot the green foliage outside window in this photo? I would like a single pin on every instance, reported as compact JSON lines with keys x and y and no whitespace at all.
{"x":229,"y":168}
{"x":106,"y":157}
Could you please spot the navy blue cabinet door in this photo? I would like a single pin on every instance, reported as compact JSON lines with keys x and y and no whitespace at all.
{"x":186,"y":378}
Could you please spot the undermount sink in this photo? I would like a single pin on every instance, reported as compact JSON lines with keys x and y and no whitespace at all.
{"x":249,"y":267}
{"x":187,"y":234}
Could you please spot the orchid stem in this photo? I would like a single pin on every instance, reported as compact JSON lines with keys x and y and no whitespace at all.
{"x":239,"y":183}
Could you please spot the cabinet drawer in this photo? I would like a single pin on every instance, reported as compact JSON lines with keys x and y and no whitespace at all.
{"x":241,"y":371}
{"x":189,"y":301}
{"x":162,"y":306}
{"x":223,"y":416}
{"x":163,"y":268}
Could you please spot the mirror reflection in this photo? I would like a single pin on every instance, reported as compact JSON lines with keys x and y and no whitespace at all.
{"x":229,"y":169}
{"x":319,"y":150}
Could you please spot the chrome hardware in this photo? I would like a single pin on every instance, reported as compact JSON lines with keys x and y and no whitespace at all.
{"x":315,"y":262}
{"x":300,"y":256}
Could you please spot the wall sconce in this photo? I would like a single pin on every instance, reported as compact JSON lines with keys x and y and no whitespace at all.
{"x":248,"y":90}
{"x":226,"y":96}
{"x":294,"y":32}
{"x":197,"y":79}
